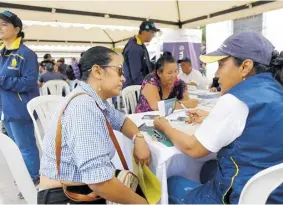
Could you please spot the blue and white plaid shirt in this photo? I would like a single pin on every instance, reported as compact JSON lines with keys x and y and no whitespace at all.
{"x":87,"y":148}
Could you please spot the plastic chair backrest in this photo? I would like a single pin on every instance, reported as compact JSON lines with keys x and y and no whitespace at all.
{"x":130,"y":97}
{"x":74,"y":84}
{"x":44,"y":106}
{"x":18,"y":168}
{"x":55,"y":87}
{"x":261,"y":185}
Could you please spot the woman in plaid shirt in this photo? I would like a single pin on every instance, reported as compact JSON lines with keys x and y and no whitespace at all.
{"x":87,"y":148}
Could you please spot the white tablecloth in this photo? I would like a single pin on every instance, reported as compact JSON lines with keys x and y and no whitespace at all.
{"x":166,"y":161}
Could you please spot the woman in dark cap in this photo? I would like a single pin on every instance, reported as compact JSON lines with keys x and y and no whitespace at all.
{"x":18,"y":85}
{"x":244,"y":128}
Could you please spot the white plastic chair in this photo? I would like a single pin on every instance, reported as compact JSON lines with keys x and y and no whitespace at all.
{"x":18,"y":168}
{"x":261,"y":185}
{"x":119,"y":101}
{"x":55,"y":87}
{"x":130,"y":97}
{"x":74,"y":84}
{"x":44,"y":106}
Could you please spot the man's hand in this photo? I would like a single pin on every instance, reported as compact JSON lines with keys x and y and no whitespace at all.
{"x":197,"y":116}
{"x":141,"y":151}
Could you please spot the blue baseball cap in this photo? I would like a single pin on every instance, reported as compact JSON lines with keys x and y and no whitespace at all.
{"x":185,"y":59}
{"x":11,"y":18}
{"x":245,"y":45}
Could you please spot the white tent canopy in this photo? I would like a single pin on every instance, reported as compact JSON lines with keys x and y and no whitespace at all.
{"x":113,"y":22}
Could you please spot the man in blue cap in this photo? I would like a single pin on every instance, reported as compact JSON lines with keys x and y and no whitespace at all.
{"x":137,"y":63}
{"x":189,"y":75}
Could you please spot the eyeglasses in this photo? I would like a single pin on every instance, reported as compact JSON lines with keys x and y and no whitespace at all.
{"x":118,"y":68}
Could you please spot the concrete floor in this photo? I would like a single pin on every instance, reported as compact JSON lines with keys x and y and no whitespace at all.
{"x":8,"y":190}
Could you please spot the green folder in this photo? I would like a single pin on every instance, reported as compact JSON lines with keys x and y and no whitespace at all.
{"x":160,"y":136}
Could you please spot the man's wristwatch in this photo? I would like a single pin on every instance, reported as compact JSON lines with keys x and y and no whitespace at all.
{"x":138,"y":135}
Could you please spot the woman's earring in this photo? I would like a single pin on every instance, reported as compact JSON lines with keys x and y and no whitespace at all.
{"x":99,"y":89}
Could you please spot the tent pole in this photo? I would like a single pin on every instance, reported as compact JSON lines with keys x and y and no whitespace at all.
{"x":179,"y":15}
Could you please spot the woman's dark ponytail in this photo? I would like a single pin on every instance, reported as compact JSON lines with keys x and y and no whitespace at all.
{"x":166,"y":57}
{"x":276,"y":66}
{"x":21,"y":34}
{"x":74,"y":71}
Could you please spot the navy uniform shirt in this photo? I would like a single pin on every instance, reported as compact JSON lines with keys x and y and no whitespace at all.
{"x":137,"y":64}
{"x":18,"y":80}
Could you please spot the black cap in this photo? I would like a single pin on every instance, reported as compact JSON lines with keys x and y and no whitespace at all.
{"x":185,"y":59}
{"x":11,"y":18}
{"x":44,"y":62}
{"x":49,"y":66}
{"x":245,"y":45}
{"x":148,"y":26}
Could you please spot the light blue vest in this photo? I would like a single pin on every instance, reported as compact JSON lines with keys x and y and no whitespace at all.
{"x":260,"y":146}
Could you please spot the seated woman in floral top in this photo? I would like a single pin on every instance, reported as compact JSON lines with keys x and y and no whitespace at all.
{"x":163,"y":84}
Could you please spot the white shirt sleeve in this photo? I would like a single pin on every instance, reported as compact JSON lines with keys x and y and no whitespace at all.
{"x":198,"y":79}
{"x":224,"y":124}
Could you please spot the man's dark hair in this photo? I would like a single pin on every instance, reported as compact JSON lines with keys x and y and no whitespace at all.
{"x":61,"y":60}
{"x":46,"y":56}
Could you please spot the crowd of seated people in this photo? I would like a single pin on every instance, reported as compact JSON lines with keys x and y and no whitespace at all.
{"x":50,"y":73}
{"x":244,"y":128}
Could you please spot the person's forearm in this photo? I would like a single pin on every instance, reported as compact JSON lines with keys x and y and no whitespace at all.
{"x":190,"y":103}
{"x":129,"y":128}
{"x":113,"y":190}
{"x":40,"y":84}
{"x":185,"y":143}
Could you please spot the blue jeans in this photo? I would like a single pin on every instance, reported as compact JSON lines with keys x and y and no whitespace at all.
{"x":179,"y":188}
{"x":22,"y":133}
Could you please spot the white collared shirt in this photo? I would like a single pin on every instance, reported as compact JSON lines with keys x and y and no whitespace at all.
{"x":195,"y":77}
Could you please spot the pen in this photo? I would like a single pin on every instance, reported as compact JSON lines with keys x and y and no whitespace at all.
{"x":182,"y":105}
